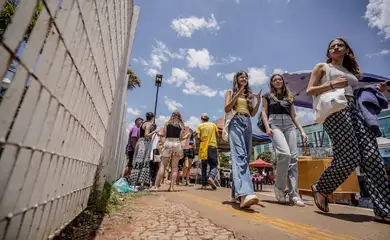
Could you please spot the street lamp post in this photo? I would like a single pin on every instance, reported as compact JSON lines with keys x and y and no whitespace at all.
{"x":158,"y":82}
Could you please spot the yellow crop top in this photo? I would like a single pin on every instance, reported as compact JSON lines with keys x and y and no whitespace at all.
{"x":242,"y":105}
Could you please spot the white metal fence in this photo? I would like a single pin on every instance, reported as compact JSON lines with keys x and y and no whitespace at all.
{"x":62,"y":109}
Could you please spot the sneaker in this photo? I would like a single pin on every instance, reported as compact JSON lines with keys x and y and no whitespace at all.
{"x":248,"y":200}
{"x":280,"y":195}
{"x":297,"y":201}
{"x":212,"y":183}
{"x":233,"y":200}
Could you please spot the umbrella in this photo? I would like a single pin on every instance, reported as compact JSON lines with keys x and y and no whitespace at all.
{"x":297,"y":84}
{"x":259,"y":163}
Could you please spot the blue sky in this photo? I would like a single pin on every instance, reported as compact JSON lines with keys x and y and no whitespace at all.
{"x":197,"y":45}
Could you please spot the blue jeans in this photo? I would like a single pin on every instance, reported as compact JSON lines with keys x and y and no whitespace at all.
{"x":212,"y":160}
{"x":240,"y":140}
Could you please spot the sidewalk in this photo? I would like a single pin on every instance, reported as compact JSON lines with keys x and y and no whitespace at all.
{"x":154,"y":217}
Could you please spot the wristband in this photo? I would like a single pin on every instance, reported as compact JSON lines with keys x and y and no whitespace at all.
{"x":331,"y":85}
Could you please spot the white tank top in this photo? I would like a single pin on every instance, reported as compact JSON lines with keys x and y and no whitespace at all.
{"x":333,"y":72}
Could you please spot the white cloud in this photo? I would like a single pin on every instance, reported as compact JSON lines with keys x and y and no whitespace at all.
{"x":135,"y":60}
{"x":220,"y":110}
{"x":222,"y":93}
{"x":305,"y":115}
{"x":378,"y":16}
{"x":133,"y":111}
{"x":152,"y":72}
{"x":380,"y":53}
{"x":178,"y":77}
{"x":279,"y":21}
{"x":230,"y":59}
{"x":161,"y":53}
{"x":201,"y":59}
{"x":229,"y":76}
{"x":219,"y":75}
{"x":144,"y":107}
{"x":192,"y":88}
{"x":172,"y":104}
{"x":257,"y":76}
{"x":278,"y":71}
{"x":185,"y":27}
{"x":192,"y":122}
{"x":161,"y":120}
{"x":181,"y":77}
{"x":214,"y":117}
{"x":143,"y":62}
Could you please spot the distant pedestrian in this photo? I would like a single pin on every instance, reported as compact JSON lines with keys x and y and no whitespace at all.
{"x":207,"y":135}
{"x":134,"y":135}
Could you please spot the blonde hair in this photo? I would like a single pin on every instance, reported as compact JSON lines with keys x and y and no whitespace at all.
{"x":176,"y":120}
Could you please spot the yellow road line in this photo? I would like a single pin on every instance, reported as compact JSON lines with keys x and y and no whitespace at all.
{"x":301,"y":230}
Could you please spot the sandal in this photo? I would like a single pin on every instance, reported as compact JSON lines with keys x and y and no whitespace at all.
{"x":325,"y":207}
{"x":385,"y":220}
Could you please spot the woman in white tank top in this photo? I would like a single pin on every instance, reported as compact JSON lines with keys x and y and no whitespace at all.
{"x":354,"y":144}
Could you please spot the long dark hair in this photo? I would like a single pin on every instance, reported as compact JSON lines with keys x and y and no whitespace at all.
{"x":247,"y":92}
{"x":349,"y":61}
{"x":286,"y":94}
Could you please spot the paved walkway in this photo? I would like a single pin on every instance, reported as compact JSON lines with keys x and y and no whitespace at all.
{"x":153,"y":217}
{"x":195,"y":214}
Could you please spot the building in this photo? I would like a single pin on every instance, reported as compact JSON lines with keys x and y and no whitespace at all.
{"x":317,"y":135}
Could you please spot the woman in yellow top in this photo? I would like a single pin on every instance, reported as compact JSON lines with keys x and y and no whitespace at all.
{"x":240,"y":100}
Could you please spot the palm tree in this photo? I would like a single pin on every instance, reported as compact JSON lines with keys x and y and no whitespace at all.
{"x":133,"y":80}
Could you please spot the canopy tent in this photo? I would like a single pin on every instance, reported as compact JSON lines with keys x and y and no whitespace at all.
{"x":259,"y":163}
{"x":297,"y":84}
{"x":257,"y":137}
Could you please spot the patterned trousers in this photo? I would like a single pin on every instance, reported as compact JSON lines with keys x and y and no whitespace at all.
{"x":354,"y":144}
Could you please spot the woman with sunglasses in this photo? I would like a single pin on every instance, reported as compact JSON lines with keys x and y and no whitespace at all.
{"x":353,"y":142}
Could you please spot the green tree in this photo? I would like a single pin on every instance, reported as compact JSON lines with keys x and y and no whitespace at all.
{"x":224,"y":161}
{"x":268,"y":157}
{"x":133,"y":81}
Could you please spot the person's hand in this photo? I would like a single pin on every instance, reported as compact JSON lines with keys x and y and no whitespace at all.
{"x":340,"y":82}
{"x":269,"y":132}
{"x":240,"y":91}
{"x":258,"y":95}
{"x":382,"y":86}
{"x":305,"y":138}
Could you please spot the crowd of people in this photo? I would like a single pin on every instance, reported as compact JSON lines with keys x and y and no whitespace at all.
{"x":337,"y":92}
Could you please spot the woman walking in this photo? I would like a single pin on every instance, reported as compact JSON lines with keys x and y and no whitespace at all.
{"x":353,"y":142}
{"x":172,"y":149}
{"x":189,"y":155}
{"x":140,"y":173}
{"x":239,"y":100}
{"x":280,"y":119}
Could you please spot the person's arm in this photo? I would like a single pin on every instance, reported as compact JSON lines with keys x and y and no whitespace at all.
{"x":216,"y":131}
{"x":264,"y":116}
{"x":231,"y":100}
{"x":258,"y":101}
{"x":313,"y":87}
{"x":148,"y":133}
{"x":198,"y":134}
{"x":294,"y":117}
{"x":182,"y":136}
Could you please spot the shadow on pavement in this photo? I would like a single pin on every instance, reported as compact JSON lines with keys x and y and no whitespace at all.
{"x":276,"y":202}
{"x":351,"y":217}
{"x":237,"y":207}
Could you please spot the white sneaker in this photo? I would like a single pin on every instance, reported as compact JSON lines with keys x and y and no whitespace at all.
{"x":298,"y":201}
{"x":280,"y":195}
{"x":248,"y":200}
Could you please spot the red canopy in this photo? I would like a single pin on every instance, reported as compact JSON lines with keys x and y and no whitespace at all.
{"x":259,"y":163}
